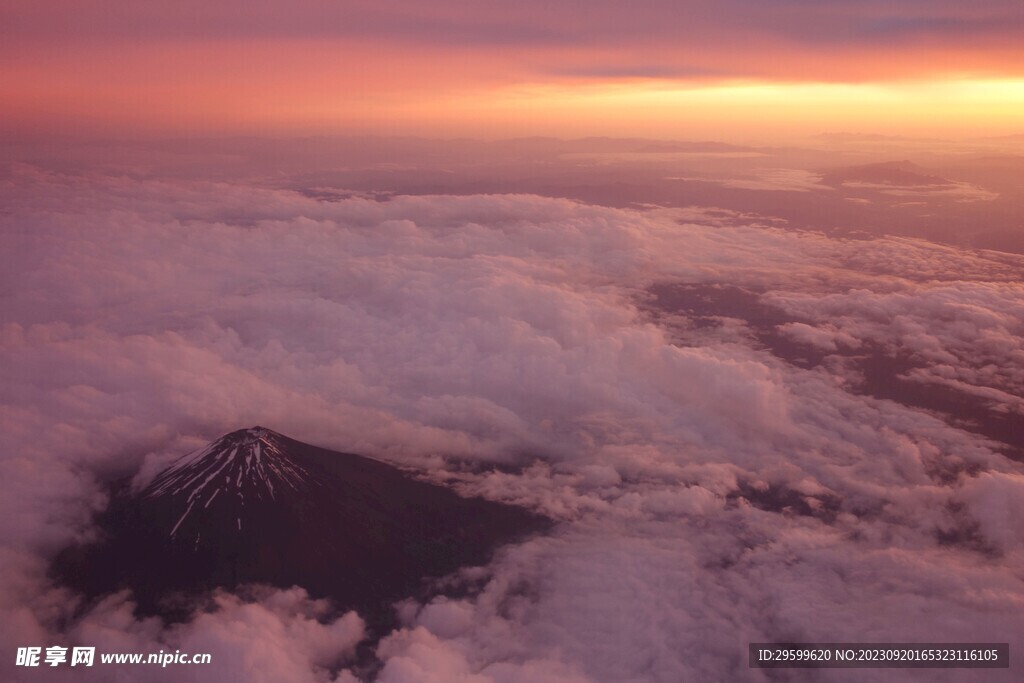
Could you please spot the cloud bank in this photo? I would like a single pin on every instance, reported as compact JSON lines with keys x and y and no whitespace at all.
{"x":709,"y":493}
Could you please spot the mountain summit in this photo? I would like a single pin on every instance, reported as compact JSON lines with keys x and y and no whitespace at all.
{"x":240,"y":474}
{"x":255,"y":506}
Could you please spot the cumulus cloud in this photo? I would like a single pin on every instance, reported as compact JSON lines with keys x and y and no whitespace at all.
{"x":967,"y":335}
{"x":268,"y":635}
{"x":709,"y":494}
{"x":824,"y":337}
{"x":278,"y":635}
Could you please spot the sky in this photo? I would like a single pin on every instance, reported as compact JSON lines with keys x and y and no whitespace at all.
{"x":766,"y":392}
{"x":733,"y":69}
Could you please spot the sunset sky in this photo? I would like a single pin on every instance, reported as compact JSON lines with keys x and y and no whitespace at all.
{"x":729,"y":291}
{"x":729,"y":69}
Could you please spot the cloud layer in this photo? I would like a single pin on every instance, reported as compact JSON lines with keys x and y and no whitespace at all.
{"x":710,"y":493}
{"x":529,"y":23}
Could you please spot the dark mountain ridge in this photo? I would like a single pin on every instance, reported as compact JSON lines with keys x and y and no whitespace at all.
{"x":258,"y":507}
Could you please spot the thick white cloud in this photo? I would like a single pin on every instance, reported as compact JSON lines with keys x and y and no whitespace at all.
{"x":826,"y":337}
{"x":278,"y":635}
{"x":709,"y":493}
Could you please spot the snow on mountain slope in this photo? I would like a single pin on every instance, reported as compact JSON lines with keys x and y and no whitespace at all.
{"x":247,"y":465}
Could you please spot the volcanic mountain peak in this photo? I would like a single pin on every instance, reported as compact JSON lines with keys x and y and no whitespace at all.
{"x":253,"y":464}
{"x":256,"y":506}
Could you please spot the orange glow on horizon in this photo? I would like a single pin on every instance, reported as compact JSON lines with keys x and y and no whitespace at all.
{"x":319,"y":87}
{"x":659,"y":109}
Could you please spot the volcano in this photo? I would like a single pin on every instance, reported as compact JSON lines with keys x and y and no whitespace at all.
{"x":256,"y":507}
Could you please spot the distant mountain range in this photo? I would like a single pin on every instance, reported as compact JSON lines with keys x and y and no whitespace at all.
{"x":258,"y":507}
